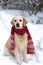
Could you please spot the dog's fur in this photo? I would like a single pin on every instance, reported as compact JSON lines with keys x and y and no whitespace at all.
{"x":20,"y":41}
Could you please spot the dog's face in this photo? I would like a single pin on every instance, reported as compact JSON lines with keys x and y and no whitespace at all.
{"x":19,"y":22}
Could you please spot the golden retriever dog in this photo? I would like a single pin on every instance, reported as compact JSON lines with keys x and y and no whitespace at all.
{"x":20,"y":41}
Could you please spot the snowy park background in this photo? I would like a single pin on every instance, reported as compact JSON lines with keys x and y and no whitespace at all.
{"x":32,"y":11}
{"x":36,"y":31}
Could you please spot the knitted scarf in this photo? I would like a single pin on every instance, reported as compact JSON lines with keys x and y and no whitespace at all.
{"x":30,"y":46}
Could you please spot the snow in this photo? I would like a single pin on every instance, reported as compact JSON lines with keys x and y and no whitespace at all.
{"x":36,"y":31}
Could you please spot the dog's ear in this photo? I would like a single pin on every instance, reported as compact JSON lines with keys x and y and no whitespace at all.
{"x":24,"y":22}
{"x":12,"y":21}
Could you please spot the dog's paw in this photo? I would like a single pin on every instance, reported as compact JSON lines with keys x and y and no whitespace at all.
{"x":19,"y":62}
{"x":26,"y":60}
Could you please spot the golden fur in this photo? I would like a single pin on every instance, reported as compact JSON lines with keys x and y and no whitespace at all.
{"x":20,"y":43}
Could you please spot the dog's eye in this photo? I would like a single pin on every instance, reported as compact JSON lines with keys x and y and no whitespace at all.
{"x":20,"y":20}
{"x":15,"y":20}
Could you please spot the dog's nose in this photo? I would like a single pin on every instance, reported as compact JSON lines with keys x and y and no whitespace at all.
{"x":17,"y":24}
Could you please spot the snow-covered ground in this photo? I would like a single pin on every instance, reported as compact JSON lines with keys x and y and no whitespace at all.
{"x":36,"y":31}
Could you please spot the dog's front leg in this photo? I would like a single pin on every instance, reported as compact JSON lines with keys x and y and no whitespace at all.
{"x":25,"y":55}
{"x":17,"y":56}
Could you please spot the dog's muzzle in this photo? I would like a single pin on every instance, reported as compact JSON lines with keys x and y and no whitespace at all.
{"x":17,"y":25}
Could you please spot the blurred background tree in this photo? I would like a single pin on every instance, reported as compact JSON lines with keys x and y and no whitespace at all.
{"x":31,"y":5}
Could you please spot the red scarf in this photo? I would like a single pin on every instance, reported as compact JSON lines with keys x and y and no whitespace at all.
{"x":30,"y":46}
